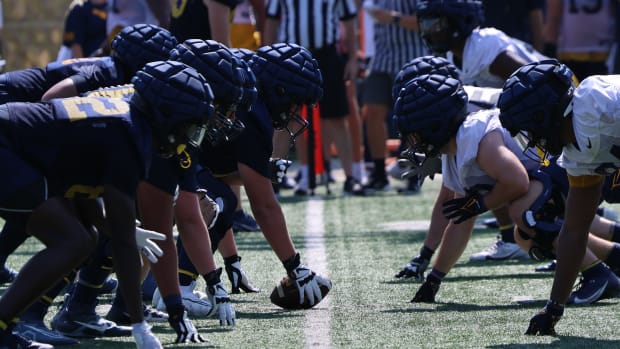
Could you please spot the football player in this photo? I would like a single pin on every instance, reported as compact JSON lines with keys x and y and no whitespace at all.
{"x":581,"y":125}
{"x":113,"y":139}
{"x":287,"y":78}
{"x":469,"y":142}
{"x":133,"y":47}
{"x":484,"y":57}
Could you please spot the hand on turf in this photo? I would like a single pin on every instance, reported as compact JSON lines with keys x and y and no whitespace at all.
{"x":146,"y":246}
{"x":278,"y":169}
{"x":543,"y":323}
{"x":415,"y":268}
{"x":308,"y":283}
{"x":462,"y":209}
{"x":238,"y":279}
{"x":221,"y":304}
{"x":427,"y":291}
{"x":183,"y":326}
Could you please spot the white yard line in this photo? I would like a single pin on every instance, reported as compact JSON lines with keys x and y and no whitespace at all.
{"x":317,"y":319}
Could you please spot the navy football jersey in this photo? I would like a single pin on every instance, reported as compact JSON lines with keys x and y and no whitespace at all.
{"x":79,"y":144}
{"x":29,"y":85}
{"x":253,"y":147}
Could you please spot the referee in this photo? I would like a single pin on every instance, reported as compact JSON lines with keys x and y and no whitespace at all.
{"x":314,"y":24}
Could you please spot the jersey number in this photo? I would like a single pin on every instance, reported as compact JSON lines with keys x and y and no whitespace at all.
{"x":79,"y":108}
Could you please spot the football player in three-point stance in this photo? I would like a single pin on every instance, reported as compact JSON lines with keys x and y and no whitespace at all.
{"x":581,"y":124}
{"x":60,"y":194}
{"x":484,"y":57}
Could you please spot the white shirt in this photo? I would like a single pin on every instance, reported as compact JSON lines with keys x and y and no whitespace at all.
{"x":596,"y":122}
{"x":482,"y":48}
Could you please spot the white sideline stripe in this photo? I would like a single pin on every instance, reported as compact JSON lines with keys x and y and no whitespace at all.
{"x":317,"y":320}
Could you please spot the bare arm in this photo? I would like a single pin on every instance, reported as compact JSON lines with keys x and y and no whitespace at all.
{"x":501,"y":164}
{"x":270,"y":34}
{"x":162,"y":10}
{"x":383,"y":16}
{"x":351,"y":68}
{"x":76,"y":51}
{"x":259,"y":14}
{"x":537,"y":28}
{"x":554,"y":20}
{"x":505,"y":64}
{"x":62,"y":89}
{"x":219,"y":20}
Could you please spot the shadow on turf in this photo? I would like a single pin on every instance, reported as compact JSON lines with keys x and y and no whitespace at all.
{"x":475,"y":278}
{"x":564,"y":342}
{"x":463,"y":307}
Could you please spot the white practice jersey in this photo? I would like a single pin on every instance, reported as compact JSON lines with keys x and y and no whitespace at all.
{"x":124,"y":13}
{"x":587,"y":26}
{"x":481,"y":97}
{"x":482,"y":48}
{"x":596,"y":121}
{"x":461,"y":171}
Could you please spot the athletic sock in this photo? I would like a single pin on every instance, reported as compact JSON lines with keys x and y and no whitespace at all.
{"x":507,"y":233}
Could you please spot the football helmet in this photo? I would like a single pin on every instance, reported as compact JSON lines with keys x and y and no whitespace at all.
{"x":136,"y":45}
{"x":288,"y":77}
{"x":177,"y":102}
{"x":228,"y":77}
{"x":429,"y":111}
{"x":422,"y":66}
{"x":445,"y":23}
{"x":534,"y":100}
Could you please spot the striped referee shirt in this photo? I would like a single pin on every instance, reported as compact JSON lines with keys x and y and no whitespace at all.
{"x":395,"y":45}
{"x":312,"y":24}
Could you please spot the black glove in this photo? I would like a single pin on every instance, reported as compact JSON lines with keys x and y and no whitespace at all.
{"x":543,"y":323}
{"x":426,"y":293}
{"x":238,"y":280}
{"x":278,"y":169}
{"x":183,"y":326}
{"x":464,"y":208}
{"x":415,"y":268}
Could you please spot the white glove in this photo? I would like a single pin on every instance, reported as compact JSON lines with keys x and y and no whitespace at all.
{"x":308,"y":283}
{"x":221,"y":304}
{"x":145,"y":339}
{"x":146,"y":246}
{"x":422,"y":168}
{"x":278,"y":169}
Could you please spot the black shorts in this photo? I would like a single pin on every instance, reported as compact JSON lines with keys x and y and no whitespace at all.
{"x":334,"y":104}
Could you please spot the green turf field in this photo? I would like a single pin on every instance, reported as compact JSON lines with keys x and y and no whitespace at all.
{"x":365,"y":241}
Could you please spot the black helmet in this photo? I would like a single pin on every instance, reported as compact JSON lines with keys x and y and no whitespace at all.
{"x":177,"y":102}
{"x":422,"y":66}
{"x":136,"y":45}
{"x":535,"y":99}
{"x":287,"y":75}
{"x":444,"y":23}
{"x":233,"y":84}
{"x":429,"y":111}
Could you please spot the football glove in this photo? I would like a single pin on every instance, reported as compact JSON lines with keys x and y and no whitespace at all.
{"x":237,"y":277}
{"x":209,"y":208}
{"x":307,"y":281}
{"x":278,"y":169}
{"x":415,"y":268}
{"x":418,"y":165}
{"x":183,"y":326}
{"x":146,"y":246}
{"x":462,"y":209}
{"x":145,"y":339}
{"x":427,"y":291}
{"x":218,"y":296}
{"x":543,"y":323}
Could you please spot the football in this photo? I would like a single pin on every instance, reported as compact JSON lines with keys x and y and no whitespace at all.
{"x":285,"y":295}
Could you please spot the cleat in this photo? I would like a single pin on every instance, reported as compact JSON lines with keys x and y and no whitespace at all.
{"x":592,"y":289}
{"x":86,"y":324}
{"x":17,"y":341}
{"x":121,"y":317}
{"x":377,"y":185}
{"x":36,"y":331}
{"x":547,"y":268}
{"x":195,"y":302}
{"x":244,"y":222}
{"x":7,"y":275}
{"x":109,"y":286}
{"x":500,"y":250}
{"x":490,"y":223}
{"x":426,"y":293}
{"x":353,"y":187}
